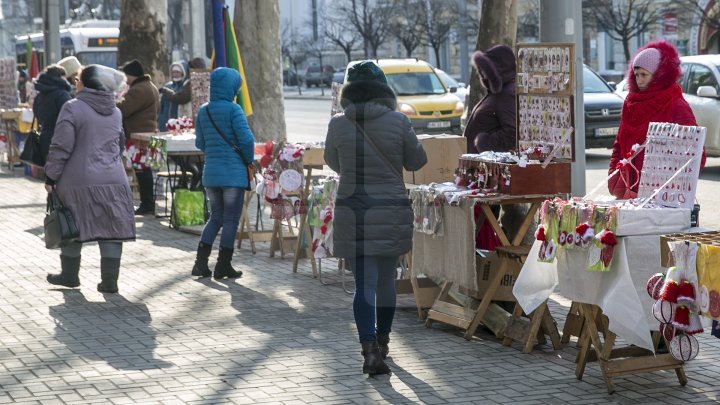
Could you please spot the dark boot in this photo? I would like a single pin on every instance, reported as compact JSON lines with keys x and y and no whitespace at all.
{"x":68,"y":276}
{"x":147,"y":194}
{"x":109,"y":272}
{"x":223,"y":267}
{"x":374,"y":363}
{"x":201,"y":269}
{"x":383,"y":340}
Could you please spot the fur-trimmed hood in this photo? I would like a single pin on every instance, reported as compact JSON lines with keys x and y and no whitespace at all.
{"x":497,"y":65}
{"x":368,"y":91}
{"x":667,"y":72}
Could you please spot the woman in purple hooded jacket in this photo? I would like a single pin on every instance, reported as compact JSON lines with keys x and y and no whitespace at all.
{"x":491,"y":125}
{"x":85,"y":169}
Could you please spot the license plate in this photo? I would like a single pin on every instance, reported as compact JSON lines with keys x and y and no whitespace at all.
{"x":606,"y":131}
{"x":439,"y":124}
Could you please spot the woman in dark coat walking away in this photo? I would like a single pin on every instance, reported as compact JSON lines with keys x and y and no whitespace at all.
{"x":53,"y":92}
{"x":85,"y":169}
{"x":368,"y":145}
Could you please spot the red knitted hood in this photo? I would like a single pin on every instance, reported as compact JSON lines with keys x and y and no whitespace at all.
{"x":668,"y":71}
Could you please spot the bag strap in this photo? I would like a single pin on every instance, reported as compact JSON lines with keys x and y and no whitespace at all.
{"x":235,"y":148}
{"x":53,"y":202}
{"x":379,"y":152}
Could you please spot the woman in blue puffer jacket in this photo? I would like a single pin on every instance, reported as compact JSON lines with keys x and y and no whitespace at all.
{"x":225,"y":173}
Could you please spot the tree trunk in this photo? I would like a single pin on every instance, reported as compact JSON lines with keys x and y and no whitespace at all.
{"x":626,"y":47}
{"x":498,"y":26}
{"x":142,"y":36}
{"x":257,"y":26}
{"x":436,"y":49}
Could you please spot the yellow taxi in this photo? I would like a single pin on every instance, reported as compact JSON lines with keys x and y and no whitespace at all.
{"x":422,"y":96}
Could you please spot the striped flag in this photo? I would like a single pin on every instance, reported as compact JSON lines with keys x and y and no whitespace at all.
{"x":226,"y":52}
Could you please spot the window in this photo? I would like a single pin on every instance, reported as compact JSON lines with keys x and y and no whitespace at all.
{"x":410,"y":84}
{"x":700,"y":75}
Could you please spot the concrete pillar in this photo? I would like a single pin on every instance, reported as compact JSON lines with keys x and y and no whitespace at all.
{"x":197,"y":30}
{"x":51,"y":30}
{"x":561,"y":21}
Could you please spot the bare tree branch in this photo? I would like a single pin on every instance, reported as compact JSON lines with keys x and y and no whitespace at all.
{"x":407,"y":25}
{"x":621,"y":21}
{"x":371,"y":19}
{"x":440,"y":16}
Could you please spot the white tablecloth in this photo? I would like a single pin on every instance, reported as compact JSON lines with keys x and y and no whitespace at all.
{"x":621,"y":291}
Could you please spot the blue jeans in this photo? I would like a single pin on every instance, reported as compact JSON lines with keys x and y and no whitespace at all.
{"x":225,"y":208}
{"x":374,"y":294}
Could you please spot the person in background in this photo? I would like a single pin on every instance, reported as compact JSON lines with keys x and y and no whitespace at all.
{"x":182,"y":96}
{"x":72,"y":68}
{"x":85,"y":169}
{"x":53,"y":91}
{"x":168,"y":107}
{"x":225,"y":174}
{"x":21,"y":86}
{"x":368,"y":145}
{"x":139,"y":109}
{"x":654,"y":96}
{"x":491,"y":125}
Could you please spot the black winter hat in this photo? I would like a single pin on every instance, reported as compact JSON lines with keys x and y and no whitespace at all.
{"x":133,"y":68}
{"x":366,"y":70}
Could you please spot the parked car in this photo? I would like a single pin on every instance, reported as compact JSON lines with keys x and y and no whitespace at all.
{"x":460,"y":90}
{"x":291,"y":77}
{"x":621,"y":89}
{"x":700,"y":85}
{"x":315,"y":76}
{"x":422,"y":96}
{"x":602,"y":110}
{"x":339,"y":76}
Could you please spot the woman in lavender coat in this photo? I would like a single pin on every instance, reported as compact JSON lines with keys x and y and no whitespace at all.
{"x":84,"y":167}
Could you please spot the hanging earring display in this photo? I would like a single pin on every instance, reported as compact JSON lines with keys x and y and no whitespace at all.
{"x":672,"y":164}
{"x":544,"y":100}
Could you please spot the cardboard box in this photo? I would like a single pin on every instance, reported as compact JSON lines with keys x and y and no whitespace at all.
{"x":314,"y":157}
{"x":486,"y":265}
{"x":442,"y":151}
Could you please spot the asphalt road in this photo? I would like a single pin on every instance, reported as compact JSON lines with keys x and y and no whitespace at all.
{"x":307,"y":120}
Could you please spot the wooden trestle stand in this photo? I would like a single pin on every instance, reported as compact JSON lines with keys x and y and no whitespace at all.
{"x":468,"y":318}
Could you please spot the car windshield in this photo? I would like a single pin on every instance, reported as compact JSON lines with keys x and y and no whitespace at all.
{"x":417,"y":83}
{"x":592,"y":83}
{"x":447,"y":79}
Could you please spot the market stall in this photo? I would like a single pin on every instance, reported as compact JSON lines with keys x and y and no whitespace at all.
{"x":600,"y":254}
{"x":538,"y":169}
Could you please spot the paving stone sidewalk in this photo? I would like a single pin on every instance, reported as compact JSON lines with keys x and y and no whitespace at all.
{"x":270,"y":337}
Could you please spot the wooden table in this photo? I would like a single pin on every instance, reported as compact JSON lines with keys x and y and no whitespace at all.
{"x":468,"y":318}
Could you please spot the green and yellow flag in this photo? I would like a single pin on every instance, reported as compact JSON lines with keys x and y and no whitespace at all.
{"x":233,"y":59}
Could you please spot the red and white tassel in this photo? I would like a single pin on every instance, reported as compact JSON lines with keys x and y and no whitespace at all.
{"x":681,"y":319}
{"x":686,"y":292}
{"x":670,"y":291}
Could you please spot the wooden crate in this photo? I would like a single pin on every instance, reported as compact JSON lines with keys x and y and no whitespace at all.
{"x":707,"y":238}
{"x":532,"y":179}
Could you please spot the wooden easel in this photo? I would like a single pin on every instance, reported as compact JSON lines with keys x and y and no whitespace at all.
{"x":618,"y":361}
{"x":468,"y":318}
{"x":312,"y":159}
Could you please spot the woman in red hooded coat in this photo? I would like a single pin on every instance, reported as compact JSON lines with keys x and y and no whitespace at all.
{"x":654,"y":96}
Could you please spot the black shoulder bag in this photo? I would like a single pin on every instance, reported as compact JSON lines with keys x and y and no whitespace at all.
{"x":31,"y":152}
{"x":60,"y":226}
{"x":249,"y":166}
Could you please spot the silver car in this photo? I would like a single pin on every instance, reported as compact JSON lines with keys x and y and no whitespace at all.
{"x":699,"y":83}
